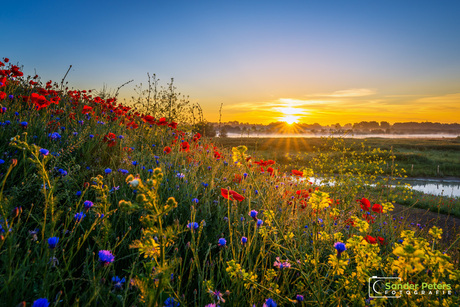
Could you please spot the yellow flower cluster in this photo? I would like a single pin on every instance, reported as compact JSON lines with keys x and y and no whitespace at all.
{"x":319,"y":200}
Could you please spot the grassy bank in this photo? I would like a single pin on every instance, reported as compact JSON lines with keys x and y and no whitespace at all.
{"x":418,"y":157}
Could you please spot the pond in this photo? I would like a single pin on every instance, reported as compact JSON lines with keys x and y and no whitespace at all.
{"x":445,"y":187}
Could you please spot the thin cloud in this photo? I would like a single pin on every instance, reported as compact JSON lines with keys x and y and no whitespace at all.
{"x":353,"y":92}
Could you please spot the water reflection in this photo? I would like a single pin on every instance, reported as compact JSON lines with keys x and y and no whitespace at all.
{"x":449,"y":188}
{"x":445,"y":187}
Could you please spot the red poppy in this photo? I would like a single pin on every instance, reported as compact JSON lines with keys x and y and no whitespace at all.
{"x":270,"y":170}
{"x":296,"y":173}
{"x":110,"y":138}
{"x":237,"y":178}
{"x":237,"y":196}
{"x":167,"y":150}
{"x":6,"y":60}
{"x":86,"y":109}
{"x":216,"y":155}
{"x":2,"y":95}
{"x":370,"y":239}
{"x":350,"y":222}
{"x":39,"y":100}
{"x":382,"y":241}
{"x":149,"y":119}
{"x":365,"y":204}
{"x":377,"y":208}
{"x":232,"y":195}
{"x":132,"y":125}
{"x":302,"y":193}
{"x":172,"y":125}
{"x":369,"y":218}
{"x":162,"y":122}
{"x":196,"y":137}
{"x":184,"y":146}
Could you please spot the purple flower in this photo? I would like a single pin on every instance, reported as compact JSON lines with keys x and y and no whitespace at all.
{"x":106,"y":257}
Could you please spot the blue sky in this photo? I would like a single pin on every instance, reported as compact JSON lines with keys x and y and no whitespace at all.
{"x":318,"y":61}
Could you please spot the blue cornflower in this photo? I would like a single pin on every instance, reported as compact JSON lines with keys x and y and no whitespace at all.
{"x":62,"y":172}
{"x":11,"y":97}
{"x":270,"y":303}
{"x":88,"y":204}
{"x":340,"y":247}
{"x":75,"y":133}
{"x":253,"y":214}
{"x":245,"y":175}
{"x":259,"y":222}
{"x":2,"y":161}
{"x":108,"y":170}
{"x":118,"y":282}
{"x":195,"y":200}
{"x":106,"y":257}
{"x":222,"y":242}
{"x":244,"y":240}
{"x":256,"y":192}
{"x":54,"y":136}
{"x":204,"y":184}
{"x":41,"y":302}
{"x":121,"y":137}
{"x":79,"y":216}
{"x":52,"y":242}
{"x":78,"y":193}
{"x":44,"y":151}
{"x":23,"y":124}
{"x":193,"y":226}
{"x":170,"y":302}
{"x":135,"y":163}
{"x":123,"y":171}
{"x":299,"y":297}
{"x":91,"y":136}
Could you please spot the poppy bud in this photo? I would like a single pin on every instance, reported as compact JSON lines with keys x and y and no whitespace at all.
{"x":14,"y":162}
{"x":86,"y":184}
{"x":16,"y":211}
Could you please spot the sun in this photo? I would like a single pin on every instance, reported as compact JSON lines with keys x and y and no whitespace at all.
{"x":290,"y":119}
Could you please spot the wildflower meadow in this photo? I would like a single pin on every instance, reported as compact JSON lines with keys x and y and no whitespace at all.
{"x":105,"y":204}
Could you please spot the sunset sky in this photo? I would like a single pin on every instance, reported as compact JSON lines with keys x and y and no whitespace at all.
{"x":310,"y":61}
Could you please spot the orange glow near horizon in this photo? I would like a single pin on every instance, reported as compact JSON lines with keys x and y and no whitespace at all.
{"x":346,"y":106}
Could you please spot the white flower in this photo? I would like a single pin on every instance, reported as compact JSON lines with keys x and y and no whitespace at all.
{"x":134,"y":183}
